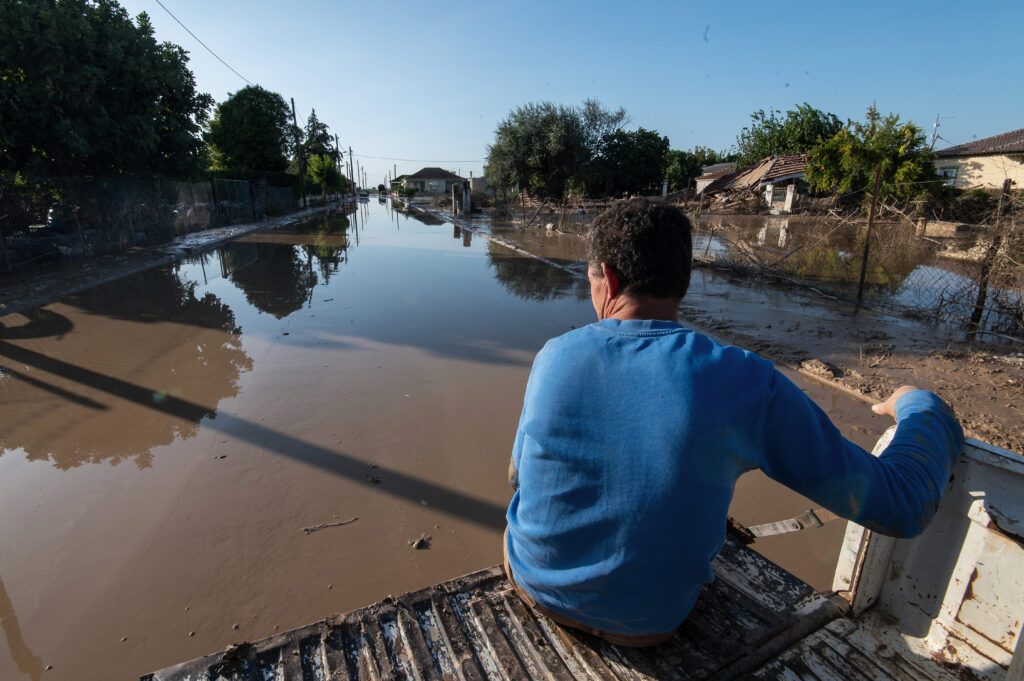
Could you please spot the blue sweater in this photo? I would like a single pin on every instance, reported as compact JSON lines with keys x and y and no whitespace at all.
{"x":632,"y":437}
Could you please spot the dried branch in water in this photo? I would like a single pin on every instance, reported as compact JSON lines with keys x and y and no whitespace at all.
{"x":322,"y":526}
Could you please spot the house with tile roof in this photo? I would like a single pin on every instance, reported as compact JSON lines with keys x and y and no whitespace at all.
{"x":779,"y":176}
{"x":432,"y":181}
{"x":984,"y":163}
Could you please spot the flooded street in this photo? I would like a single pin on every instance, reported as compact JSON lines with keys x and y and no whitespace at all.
{"x":249,"y":441}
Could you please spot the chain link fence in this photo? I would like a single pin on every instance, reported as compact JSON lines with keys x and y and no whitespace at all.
{"x":70,"y":217}
{"x":934,"y":271}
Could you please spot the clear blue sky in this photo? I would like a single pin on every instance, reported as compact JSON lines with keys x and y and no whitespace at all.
{"x":430,"y":81}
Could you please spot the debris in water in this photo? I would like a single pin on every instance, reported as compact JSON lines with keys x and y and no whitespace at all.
{"x":368,"y":463}
{"x":327,"y":300}
{"x":235,"y":627}
{"x":373,"y":478}
{"x":191,"y":634}
{"x":422,"y":543}
{"x":123,"y":639}
{"x":424,"y":502}
{"x":321,"y":526}
{"x":285,"y":334}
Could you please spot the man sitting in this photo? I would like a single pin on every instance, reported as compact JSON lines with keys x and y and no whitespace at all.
{"x":634,"y":431}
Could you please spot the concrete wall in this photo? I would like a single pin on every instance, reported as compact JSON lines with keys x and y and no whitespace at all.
{"x":984,"y":171}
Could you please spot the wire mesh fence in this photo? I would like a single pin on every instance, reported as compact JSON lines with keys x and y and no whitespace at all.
{"x":72,"y":216}
{"x":913,"y":269}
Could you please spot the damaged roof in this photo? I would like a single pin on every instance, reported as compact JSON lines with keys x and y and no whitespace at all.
{"x":791,"y":165}
{"x":771,"y":169}
{"x":1008,"y":143}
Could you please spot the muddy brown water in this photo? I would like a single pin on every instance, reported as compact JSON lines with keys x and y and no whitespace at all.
{"x":168,"y":438}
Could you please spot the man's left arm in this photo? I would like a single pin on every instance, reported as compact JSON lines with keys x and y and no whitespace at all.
{"x":896,"y":493}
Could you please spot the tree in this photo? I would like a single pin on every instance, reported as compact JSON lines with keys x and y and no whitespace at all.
{"x":598,"y":122}
{"x":318,"y":140}
{"x":631,"y":162}
{"x":847,"y":161}
{"x":682,"y":167}
{"x":538,"y":147}
{"x":797,"y":132}
{"x":324,"y":171}
{"x":250,"y":132}
{"x":85,"y":91}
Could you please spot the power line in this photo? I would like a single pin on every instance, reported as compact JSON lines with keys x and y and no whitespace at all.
{"x":413,"y":160}
{"x":202,"y":43}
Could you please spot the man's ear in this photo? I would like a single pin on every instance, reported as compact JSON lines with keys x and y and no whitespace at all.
{"x":611,"y":278}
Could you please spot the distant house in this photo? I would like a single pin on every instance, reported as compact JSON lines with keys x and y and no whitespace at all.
{"x":432,"y":181}
{"x":984,"y":163}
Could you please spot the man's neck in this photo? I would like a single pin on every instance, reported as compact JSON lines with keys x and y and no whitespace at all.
{"x":644,"y":307}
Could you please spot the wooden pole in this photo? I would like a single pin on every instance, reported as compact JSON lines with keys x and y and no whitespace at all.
{"x":988,"y":262}
{"x":337,"y":161}
{"x":867,"y":237}
{"x":298,"y":155}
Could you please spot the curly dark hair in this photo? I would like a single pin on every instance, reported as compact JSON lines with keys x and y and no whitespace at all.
{"x":647,"y":244}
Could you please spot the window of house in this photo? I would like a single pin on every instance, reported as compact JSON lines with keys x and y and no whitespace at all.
{"x":949,"y":174}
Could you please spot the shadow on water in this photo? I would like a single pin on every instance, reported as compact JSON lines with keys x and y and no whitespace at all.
{"x":397,"y":483}
{"x":28,"y":662}
{"x":207,"y":359}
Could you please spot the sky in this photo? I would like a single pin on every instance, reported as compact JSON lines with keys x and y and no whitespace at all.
{"x":414,"y":84}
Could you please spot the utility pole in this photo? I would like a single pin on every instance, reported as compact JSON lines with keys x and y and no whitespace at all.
{"x":988,"y":262}
{"x":867,"y":237}
{"x":298,"y":154}
{"x":351,"y":175}
{"x":337,"y":162}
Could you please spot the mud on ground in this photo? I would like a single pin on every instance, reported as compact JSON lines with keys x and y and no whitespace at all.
{"x":871,"y":354}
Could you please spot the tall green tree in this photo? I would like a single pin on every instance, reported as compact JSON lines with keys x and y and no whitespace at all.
{"x":632,"y":162}
{"x":774,"y":133}
{"x":84,"y":90}
{"x":847,"y":161}
{"x":251,"y":132}
{"x":317,"y":139}
{"x":598,"y":122}
{"x":539,"y":147}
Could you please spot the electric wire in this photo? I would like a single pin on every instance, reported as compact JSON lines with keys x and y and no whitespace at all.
{"x":413,"y":160}
{"x":202,"y":43}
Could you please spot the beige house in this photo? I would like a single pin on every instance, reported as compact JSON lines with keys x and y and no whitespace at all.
{"x":984,"y":163}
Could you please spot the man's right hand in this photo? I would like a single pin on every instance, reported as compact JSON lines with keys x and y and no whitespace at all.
{"x":889,"y":406}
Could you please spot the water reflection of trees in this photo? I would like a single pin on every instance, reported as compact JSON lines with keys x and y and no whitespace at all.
{"x":275,"y":269}
{"x":134,"y":348}
{"x":532,"y":279}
